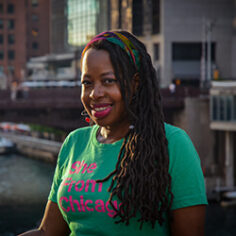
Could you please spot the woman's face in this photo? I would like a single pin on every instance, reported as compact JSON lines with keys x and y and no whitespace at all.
{"x":101,"y":95}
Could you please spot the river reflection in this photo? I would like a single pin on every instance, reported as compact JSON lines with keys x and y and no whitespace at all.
{"x":24,"y":187}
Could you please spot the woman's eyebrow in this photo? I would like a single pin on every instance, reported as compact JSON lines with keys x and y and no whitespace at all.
{"x":108,"y":73}
{"x":85,"y":75}
{"x":103,"y":74}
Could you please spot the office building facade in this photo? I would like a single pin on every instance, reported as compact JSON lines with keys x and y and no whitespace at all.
{"x":24,"y":33}
{"x":188,"y":40}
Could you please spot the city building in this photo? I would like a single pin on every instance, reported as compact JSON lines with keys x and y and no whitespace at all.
{"x":86,"y":18}
{"x":188,"y":40}
{"x":53,"y":70}
{"x":58,"y":25}
{"x":223,"y":114}
{"x":24,"y":33}
{"x":73,"y":24}
{"x":223,"y":123}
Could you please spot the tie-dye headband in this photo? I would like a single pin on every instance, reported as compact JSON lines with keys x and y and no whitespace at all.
{"x":120,"y":40}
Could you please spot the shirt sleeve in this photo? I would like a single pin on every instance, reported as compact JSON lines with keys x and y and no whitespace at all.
{"x":61,"y":162}
{"x":188,"y":185}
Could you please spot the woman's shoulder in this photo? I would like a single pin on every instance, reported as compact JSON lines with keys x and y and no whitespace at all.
{"x":178,"y":139}
{"x":172,"y":131}
{"x":79,"y":136}
{"x":81,"y":133}
{"x":180,"y":146}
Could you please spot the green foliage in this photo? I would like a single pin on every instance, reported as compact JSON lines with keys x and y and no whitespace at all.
{"x":45,"y":129}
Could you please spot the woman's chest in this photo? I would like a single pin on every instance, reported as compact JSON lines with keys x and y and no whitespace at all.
{"x":80,"y":192}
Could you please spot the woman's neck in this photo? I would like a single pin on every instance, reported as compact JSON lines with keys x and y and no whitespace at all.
{"x":109,"y":135}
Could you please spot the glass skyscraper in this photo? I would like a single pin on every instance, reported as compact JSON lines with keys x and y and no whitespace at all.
{"x":83,"y":20}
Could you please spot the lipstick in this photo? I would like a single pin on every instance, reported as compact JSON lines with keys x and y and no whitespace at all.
{"x":101,"y":110}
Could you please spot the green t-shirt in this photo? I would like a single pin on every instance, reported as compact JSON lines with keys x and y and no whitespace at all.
{"x":84,"y":203}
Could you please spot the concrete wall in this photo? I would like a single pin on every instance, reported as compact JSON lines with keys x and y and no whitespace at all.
{"x":233,"y":64}
{"x":233,"y":61}
{"x":182,"y":21}
{"x":195,"y":120}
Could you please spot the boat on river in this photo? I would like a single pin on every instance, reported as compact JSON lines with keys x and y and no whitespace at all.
{"x":6,"y":146}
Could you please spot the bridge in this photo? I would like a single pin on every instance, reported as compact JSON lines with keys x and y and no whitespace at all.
{"x":61,"y":107}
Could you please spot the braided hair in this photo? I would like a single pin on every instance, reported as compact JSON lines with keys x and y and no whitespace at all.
{"x":141,"y":180}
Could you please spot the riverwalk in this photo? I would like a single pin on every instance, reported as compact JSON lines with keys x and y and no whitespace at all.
{"x":46,"y":150}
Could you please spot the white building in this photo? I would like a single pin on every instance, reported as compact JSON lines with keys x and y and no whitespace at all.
{"x":223,"y":122}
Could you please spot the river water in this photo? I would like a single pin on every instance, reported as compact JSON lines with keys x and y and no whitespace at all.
{"x":24,"y":187}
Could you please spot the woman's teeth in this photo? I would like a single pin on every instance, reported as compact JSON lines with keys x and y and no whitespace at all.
{"x":101,"y":108}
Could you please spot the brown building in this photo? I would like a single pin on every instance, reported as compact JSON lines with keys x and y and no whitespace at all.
{"x":24,"y":33}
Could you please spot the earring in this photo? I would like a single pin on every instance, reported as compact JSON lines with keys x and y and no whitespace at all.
{"x":84,"y":113}
{"x":131,"y":127}
{"x":87,"y":119}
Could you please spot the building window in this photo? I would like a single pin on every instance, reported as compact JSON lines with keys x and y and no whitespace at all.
{"x":11,"y":55}
{"x":11,"y":70}
{"x":10,"y":8}
{"x":190,"y":51}
{"x":1,"y":8}
{"x":83,"y":19}
{"x":229,"y":108}
{"x":1,"y":70}
{"x":1,"y":55}
{"x":1,"y":23}
{"x":10,"y":24}
{"x":35,"y":45}
{"x":34,"y":3}
{"x":137,"y":20}
{"x":223,"y":108}
{"x":34,"y":32}
{"x":234,"y":108}
{"x":156,"y":51}
{"x":155,"y":16}
{"x":35,"y":18}
{"x":11,"y":39}
{"x":1,"y":39}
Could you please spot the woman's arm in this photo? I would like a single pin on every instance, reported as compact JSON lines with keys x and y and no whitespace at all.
{"x":52,"y":223}
{"x":188,"y":221}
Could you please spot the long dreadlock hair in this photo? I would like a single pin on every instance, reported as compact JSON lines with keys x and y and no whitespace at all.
{"x":140,"y":180}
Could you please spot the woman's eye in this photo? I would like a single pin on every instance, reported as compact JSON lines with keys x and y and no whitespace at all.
{"x":85,"y":82}
{"x":109,"y":81}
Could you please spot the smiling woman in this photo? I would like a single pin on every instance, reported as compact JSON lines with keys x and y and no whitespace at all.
{"x":130,"y":163}
{"x":101,"y":95}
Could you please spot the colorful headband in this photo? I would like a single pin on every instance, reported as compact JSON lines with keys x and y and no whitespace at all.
{"x":120,"y":40}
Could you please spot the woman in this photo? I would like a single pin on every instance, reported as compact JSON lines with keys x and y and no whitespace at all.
{"x":130,"y":173}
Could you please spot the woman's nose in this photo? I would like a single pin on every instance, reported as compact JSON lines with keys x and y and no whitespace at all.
{"x":96,"y":92}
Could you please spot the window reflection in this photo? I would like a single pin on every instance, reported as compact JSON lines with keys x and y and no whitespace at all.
{"x":82,"y":21}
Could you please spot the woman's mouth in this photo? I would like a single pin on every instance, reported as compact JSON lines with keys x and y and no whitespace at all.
{"x":100,"y":111}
